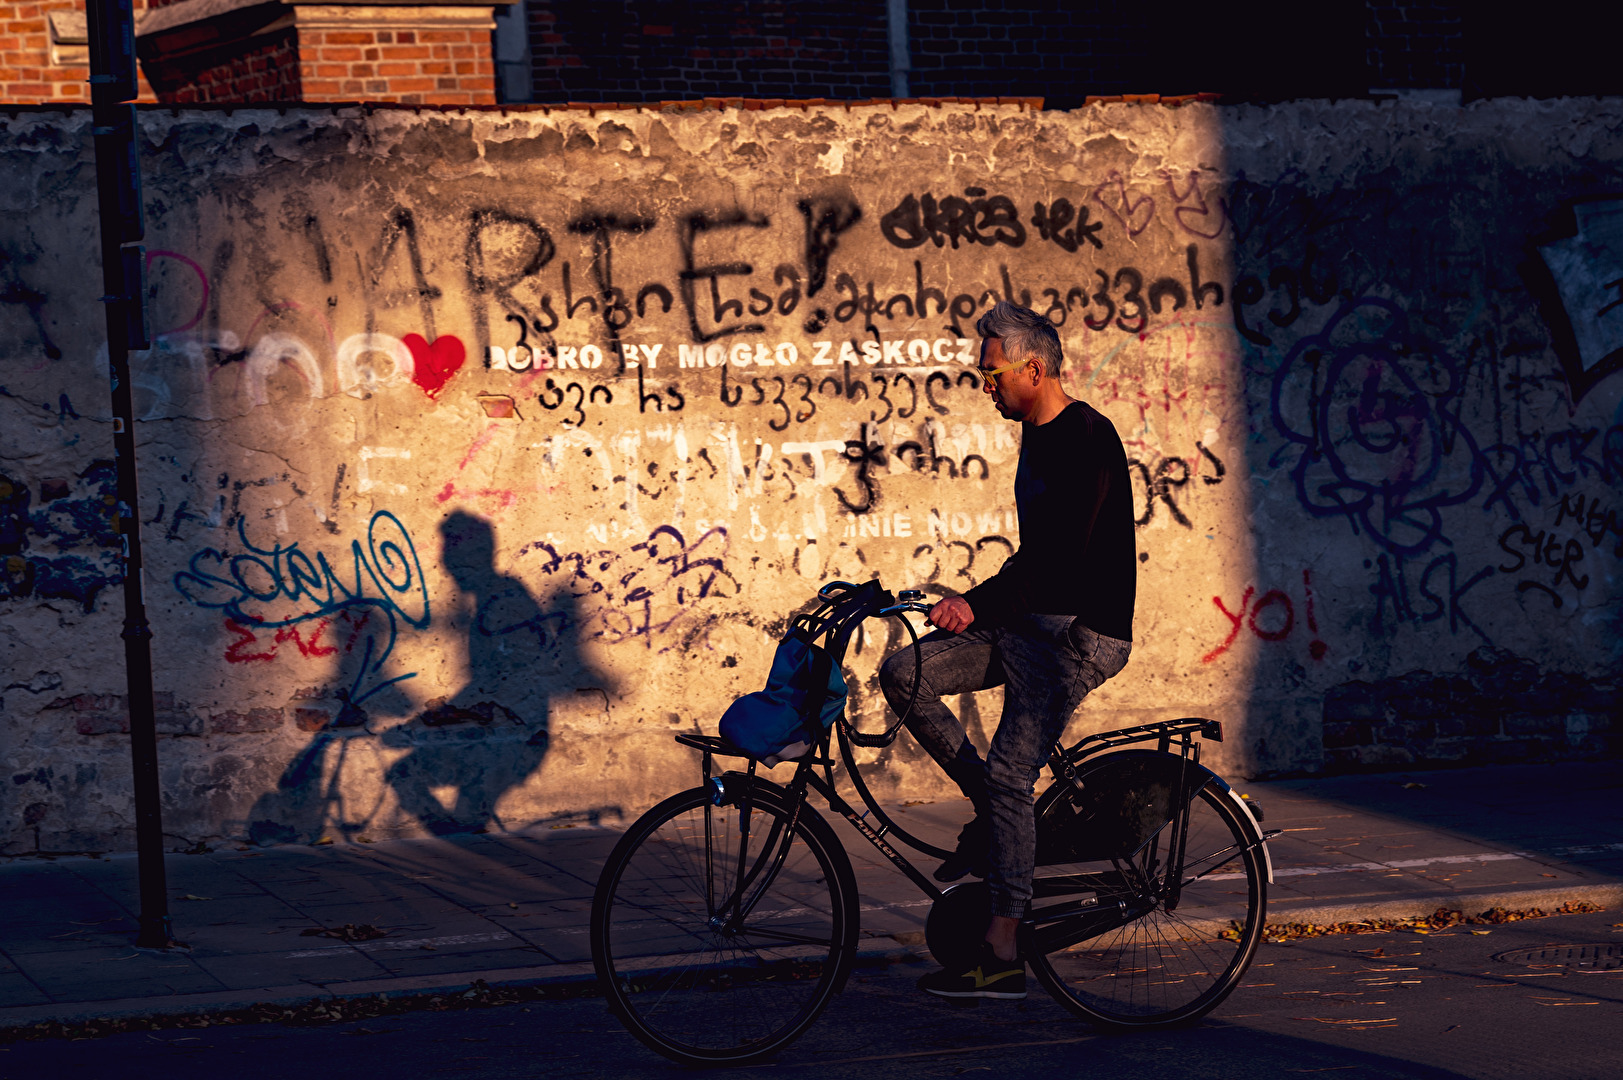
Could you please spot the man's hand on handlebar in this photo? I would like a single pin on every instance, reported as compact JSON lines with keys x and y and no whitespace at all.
{"x":952,"y":615}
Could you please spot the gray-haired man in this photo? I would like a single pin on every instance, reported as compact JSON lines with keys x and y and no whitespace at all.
{"x":1053,"y":624}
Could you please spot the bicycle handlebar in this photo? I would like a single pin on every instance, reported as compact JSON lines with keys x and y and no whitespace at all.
{"x":910,"y":598}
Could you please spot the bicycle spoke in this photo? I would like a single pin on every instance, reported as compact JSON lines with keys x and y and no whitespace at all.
{"x":779,"y":935}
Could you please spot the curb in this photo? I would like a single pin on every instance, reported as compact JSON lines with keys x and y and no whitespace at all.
{"x":1606,"y":896}
{"x":298,"y":994}
{"x":223,"y":1001}
{"x":1610,"y":896}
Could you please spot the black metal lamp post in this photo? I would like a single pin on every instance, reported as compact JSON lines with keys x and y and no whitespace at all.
{"x":123,"y":268}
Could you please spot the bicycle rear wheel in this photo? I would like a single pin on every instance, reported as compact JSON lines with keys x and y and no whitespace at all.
{"x":1122,"y":949}
{"x":688,"y":977}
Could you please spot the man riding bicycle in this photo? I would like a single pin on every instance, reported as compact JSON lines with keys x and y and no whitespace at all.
{"x":1052,"y":625}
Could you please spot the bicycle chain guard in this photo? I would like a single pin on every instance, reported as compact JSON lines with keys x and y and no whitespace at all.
{"x":957,"y":924}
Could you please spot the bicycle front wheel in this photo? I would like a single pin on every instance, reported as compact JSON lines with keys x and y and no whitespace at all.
{"x":706,"y":972}
{"x":1151,"y":954}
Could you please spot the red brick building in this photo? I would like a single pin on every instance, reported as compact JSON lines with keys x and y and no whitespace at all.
{"x":197,"y":51}
{"x":45,"y":53}
{"x":463,"y":52}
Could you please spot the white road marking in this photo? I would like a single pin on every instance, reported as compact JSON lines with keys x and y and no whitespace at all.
{"x":1435,"y":860}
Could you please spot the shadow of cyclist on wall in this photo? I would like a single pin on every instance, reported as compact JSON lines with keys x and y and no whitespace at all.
{"x":491,"y":736}
{"x":312,"y":796}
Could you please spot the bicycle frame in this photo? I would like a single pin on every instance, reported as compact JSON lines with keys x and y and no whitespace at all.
{"x":844,"y":606}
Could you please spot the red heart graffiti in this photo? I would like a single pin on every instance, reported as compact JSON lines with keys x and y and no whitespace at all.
{"x":1128,"y":212}
{"x":434,"y":364}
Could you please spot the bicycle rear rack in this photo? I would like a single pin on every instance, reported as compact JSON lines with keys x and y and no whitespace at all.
{"x":1163,"y":730}
{"x":717,"y":746}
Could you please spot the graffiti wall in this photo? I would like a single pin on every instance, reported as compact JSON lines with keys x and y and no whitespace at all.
{"x":483,"y":453}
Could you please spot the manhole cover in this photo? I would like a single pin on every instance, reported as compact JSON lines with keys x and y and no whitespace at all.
{"x":1605,"y":957}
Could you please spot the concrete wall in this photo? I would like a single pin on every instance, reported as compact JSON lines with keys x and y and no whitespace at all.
{"x":482,"y":453}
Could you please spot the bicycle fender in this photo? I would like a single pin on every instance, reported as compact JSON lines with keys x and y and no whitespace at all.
{"x":1247,"y":815}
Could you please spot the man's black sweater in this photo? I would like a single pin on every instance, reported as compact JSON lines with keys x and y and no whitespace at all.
{"x":1077,"y":554}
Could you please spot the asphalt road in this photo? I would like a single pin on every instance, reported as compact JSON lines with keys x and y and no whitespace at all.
{"x":1444,"y":1005}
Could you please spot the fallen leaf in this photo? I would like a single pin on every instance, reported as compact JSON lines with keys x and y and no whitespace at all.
{"x":190,"y":896}
{"x":347,"y":932}
{"x":1413,"y":786}
{"x":1339,"y":1020}
{"x":1441,"y":919}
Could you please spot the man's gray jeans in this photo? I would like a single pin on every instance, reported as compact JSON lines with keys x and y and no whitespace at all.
{"x":1046,"y":665}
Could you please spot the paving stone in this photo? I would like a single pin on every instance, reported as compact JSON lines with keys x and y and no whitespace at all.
{"x":278,"y":969}
{"x":16,"y":989}
{"x":109,"y":973}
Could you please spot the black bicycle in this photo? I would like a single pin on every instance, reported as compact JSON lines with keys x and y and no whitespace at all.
{"x":726,"y":917}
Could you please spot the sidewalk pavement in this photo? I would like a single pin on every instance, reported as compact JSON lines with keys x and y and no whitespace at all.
{"x":511,"y":908}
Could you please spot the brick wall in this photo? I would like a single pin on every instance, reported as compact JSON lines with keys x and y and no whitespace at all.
{"x":1501,"y":708}
{"x":36,"y":65}
{"x":651,"y":50}
{"x":409,"y":54}
{"x":267,"y":69}
{"x":1061,"y":52}
{"x":1415,"y":44}
{"x":445,"y":66}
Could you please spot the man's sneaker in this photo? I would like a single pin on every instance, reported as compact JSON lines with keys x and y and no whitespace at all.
{"x":989,"y":978}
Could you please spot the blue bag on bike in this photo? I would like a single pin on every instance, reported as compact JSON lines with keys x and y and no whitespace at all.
{"x":804,"y":695}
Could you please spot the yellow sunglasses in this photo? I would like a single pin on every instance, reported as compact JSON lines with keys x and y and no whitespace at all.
{"x":988,"y":374}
